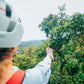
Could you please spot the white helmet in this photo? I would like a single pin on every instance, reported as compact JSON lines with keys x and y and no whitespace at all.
{"x":11,"y":30}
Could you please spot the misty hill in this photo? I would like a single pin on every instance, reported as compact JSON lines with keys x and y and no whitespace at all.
{"x":28,"y":43}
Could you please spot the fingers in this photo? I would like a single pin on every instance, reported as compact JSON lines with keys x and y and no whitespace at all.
{"x":49,"y":50}
{"x":49,"y":53}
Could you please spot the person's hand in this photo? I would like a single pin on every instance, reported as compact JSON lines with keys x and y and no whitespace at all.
{"x":49,"y":53}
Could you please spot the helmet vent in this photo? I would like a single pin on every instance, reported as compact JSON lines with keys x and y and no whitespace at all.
{"x":8,"y":11}
{"x":11,"y":26}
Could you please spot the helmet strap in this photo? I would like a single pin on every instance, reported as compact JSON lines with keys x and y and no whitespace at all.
{"x":7,"y":54}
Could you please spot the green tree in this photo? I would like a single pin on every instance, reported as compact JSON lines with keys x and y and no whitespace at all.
{"x":67,"y":41}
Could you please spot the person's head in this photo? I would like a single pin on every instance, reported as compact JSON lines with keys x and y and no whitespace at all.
{"x":11,"y":31}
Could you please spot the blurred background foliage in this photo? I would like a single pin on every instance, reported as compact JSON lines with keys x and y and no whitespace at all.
{"x":66,"y":38}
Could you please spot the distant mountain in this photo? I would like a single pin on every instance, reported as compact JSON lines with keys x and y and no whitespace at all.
{"x":28,"y":43}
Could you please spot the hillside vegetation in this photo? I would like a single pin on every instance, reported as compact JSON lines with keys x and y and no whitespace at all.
{"x":28,"y":43}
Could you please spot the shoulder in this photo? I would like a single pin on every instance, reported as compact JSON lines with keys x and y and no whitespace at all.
{"x":15,"y":68}
{"x":33,"y":76}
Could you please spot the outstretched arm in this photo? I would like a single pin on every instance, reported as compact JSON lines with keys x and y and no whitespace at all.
{"x":41,"y":72}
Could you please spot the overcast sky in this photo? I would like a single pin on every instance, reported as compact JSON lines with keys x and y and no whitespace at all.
{"x":32,"y":13}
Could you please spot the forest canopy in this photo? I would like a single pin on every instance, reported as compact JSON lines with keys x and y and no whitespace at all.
{"x":66,"y":38}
